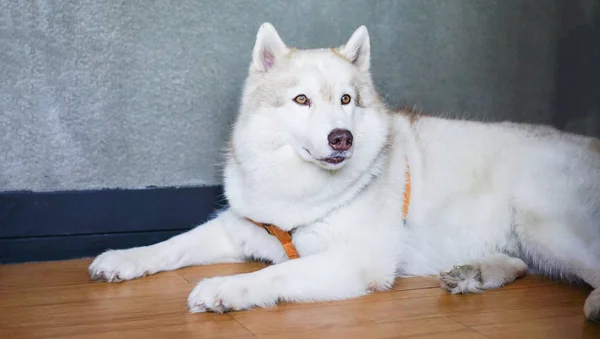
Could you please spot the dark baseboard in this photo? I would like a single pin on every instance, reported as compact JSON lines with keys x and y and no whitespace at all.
{"x":21,"y":250}
{"x":48,"y":226}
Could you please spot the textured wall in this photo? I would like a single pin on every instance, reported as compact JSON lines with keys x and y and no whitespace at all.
{"x":106,"y":93}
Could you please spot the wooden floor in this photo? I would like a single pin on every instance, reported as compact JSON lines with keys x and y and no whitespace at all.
{"x":56,"y":300}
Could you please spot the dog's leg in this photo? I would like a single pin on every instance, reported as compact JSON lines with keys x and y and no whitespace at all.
{"x":224,"y":239}
{"x":591,"y":275}
{"x":566,"y":248}
{"x":490,"y":272}
{"x":331,"y":275}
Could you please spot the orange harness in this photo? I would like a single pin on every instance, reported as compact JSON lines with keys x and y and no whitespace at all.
{"x":285,"y":237}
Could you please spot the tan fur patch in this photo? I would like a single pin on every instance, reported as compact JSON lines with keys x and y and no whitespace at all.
{"x":594,"y":145}
{"x":412,"y":114}
{"x":358,"y":87}
{"x":291,"y":52}
{"x":529,"y":218}
{"x":231,"y":150}
{"x":327,"y":92}
{"x":337,"y":52}
{"x":278,"y":102}
{"x":358,"y":99}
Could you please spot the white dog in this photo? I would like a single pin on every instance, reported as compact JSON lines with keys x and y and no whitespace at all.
{"x":359,"y":195}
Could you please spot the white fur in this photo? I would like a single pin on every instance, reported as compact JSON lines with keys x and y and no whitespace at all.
{"x":486,"y":198}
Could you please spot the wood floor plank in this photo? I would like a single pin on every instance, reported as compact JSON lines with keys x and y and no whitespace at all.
{"x":440,"y":327}
{"x":57,"y":300}
{"x":53,"y":273}
{"x":137,"y":324}
{"x":403,"y":284}
{"x":195,"y":274}
{"x":150,"y":307}
{"x":163,"y":285}
{"x":549,"y":328}
{"x":535,"y":322}
{"x":392,"y":306}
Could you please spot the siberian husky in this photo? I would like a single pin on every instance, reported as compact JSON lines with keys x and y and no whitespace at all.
{"x":343,"y":195}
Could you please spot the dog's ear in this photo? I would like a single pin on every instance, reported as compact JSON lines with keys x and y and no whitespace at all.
{"x":268,"y":48}
{"x":358,"y":49}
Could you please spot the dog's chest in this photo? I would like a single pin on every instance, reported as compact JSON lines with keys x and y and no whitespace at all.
{"x":351,"y":228}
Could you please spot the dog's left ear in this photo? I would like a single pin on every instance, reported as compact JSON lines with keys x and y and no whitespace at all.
{"x":358,"y":49}
{"x":269,"y":49}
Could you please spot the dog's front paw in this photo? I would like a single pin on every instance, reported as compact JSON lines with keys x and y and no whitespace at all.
{"x":462,"y":279}
{"x":225,"y":294}
{"x":119,"y":265}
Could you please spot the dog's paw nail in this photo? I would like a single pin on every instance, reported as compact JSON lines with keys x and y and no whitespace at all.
{"x":198,"y":308}
{"x":99,"y":276}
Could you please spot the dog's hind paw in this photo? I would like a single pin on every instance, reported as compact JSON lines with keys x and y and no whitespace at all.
{"x":591,"y":308}
{"x":462,"y":279}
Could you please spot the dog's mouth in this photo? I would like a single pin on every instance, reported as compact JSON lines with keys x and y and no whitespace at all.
{"x":331,"y":162}
{"x":334,"y":160}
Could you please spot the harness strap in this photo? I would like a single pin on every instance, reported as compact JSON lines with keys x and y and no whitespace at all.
{"x":285,"y":238}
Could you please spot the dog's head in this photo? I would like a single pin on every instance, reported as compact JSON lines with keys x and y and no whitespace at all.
{"x":310,"y":133}
{"x":320,"y":103}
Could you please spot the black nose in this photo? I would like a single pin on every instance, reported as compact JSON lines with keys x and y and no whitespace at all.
{"x":340,"y":139}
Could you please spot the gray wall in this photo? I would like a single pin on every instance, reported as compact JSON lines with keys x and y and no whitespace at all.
{"x":129,"y":94}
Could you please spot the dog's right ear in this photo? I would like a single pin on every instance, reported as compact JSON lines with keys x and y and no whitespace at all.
{"x":268,"y":48}
{"x":358,"y":49}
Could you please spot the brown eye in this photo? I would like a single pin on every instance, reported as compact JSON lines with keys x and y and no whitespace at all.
{"x":346,"y":99}
{"x":301,"y":99}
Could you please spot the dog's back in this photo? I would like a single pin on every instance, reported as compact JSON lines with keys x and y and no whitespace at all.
{"x":531,"y":191}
